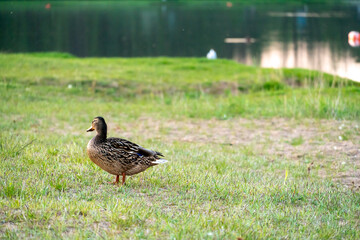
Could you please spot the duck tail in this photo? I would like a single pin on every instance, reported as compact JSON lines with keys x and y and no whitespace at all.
{"x":160,"y":161}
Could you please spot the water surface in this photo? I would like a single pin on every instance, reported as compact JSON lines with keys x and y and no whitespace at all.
{"x":287,"y":35}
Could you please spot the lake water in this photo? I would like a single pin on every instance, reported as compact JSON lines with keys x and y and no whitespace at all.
{"x":286,"y":35}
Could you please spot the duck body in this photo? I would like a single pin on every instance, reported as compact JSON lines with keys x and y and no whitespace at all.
{"x":119,"y":156}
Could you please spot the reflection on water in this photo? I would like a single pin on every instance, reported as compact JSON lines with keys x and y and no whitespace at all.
{"x":320,"y":57}
{"x":310,"y":36}
{"x":294,"y":48}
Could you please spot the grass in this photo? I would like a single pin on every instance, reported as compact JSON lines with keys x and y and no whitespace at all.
{"x":297,"y":141}
{"x":50,"y":189}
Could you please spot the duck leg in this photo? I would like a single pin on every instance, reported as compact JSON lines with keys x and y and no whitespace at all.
{"x":116,"y":180}
{"x":123,"y":178}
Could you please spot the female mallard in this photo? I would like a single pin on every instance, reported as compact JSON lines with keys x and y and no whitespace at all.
{"x":119,"y":156}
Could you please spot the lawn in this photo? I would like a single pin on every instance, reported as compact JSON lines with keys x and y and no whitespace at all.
{"x":253,"y":153}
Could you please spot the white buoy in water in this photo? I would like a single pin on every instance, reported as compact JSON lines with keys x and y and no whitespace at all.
{"x":211,"y":54}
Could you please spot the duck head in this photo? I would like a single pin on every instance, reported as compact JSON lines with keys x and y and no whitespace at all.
{"x":99,"y":125}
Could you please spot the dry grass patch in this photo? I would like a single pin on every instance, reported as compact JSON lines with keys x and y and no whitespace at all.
{"x":320,"y":142}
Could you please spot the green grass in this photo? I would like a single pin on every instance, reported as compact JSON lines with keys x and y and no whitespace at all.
{"x":297,"y":141}
{"x":50,"y":189}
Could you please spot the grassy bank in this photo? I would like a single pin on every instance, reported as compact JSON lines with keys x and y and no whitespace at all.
{"x":194,"y":111}
{"x":175,"y":88}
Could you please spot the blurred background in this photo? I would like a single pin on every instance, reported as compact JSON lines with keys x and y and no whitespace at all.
{"x":283,"y":34}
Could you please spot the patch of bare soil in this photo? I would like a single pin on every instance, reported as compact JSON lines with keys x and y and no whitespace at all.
{"x":322,"y":141}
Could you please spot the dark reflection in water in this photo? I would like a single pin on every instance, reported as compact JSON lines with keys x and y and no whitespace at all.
{"x":311,"y":36}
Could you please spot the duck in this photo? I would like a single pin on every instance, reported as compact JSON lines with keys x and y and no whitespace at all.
{"x":118,"y":156}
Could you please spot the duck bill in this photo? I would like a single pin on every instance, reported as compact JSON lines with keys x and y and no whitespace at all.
{"x":90,"y":129}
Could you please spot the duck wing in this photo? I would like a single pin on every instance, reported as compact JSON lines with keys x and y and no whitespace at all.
{"x":122,"y":144}
{"x":148,"y":152}
{"x":130,"y":147}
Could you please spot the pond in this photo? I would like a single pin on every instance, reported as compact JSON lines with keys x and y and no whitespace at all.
{"x":267,"y":35}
